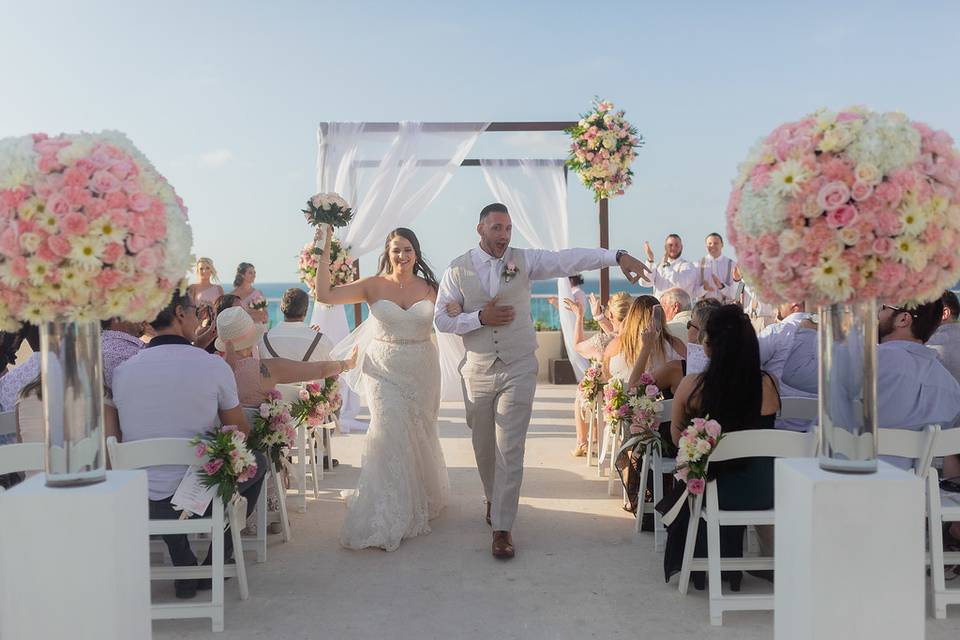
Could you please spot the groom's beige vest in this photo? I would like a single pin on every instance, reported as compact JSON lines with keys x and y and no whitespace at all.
{"x":510,"y":342}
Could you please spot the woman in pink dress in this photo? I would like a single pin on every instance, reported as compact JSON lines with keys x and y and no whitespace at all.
{"x":249,"y":296}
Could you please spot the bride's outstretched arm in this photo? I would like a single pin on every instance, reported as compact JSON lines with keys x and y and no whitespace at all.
{"x":284,"y":371}
{"x":350,"y":293}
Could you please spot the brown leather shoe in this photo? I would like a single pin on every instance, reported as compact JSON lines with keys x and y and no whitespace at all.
{"x":502,"y":545}
{"x":489,"y":523}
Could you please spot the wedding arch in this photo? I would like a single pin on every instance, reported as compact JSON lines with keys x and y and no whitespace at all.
{"x":391,"y":171}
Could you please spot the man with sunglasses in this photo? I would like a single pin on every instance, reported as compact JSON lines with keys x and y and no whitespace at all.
{"x":776,"y":341}
{"x":913,"y":388}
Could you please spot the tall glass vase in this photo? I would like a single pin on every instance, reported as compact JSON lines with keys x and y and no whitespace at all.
{"x":72,"y":387}
{"x":848,"y":387}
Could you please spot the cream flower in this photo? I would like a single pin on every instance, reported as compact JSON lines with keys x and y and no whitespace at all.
{"x":788,"y":177}
{"x":107,"y":230}
{"x":86,"y":252}
{"x":832,"y":277}
{"x":38,"y":270}
{"x":868,"y":173}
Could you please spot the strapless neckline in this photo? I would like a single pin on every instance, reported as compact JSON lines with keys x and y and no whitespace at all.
{"x":398,"y":306}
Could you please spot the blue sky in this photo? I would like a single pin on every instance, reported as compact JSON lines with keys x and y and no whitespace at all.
{"x":224,"y":97}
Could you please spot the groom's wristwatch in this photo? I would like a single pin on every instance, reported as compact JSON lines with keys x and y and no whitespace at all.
{"x":620,"y":254}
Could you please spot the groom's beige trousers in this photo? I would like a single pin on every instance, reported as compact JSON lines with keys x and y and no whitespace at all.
{"x":499,"y":400}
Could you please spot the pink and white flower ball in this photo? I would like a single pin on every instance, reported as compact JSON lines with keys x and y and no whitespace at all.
{"x":89,"y":230}
{"x":848,"y":206}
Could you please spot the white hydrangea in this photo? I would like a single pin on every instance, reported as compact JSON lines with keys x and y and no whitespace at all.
{"x":886,"y":141}
{"x":762,"y":212}
{"x":18,"y":161}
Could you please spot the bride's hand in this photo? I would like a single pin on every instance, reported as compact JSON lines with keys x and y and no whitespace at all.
{"x":454,"y":309}
{"x":351,"y":362}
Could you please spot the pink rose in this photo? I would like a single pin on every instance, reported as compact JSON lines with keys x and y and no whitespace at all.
{"x":303,"y":394}
{"x":201,"y":450}
{"x":74,"y":224}
{"x":861,"y":191}
{"x":889,"y":223}
{"x":146,"y":260}
{"x":137,"y":243}
{"x":646,"y":378}
{"x":228,"y":428}
{"x":696,"y":486}
{"x":652,"y":390}
{"x":75,"y":177}
{"x":213,"y":466}
{"x":313,"y":387}
{"x":58,"y":204}
{"x":833,"y":195}
{"x":698,"y":424}
{"x":105,"y":182}
{"x":112,"y":252}
{"x":140,"y":202}
{"x":107,"y":279}
{"x":264,"y":410}
{"x":713,"y":428}
{"x":841,"y":216}
{"x":116,"y":200}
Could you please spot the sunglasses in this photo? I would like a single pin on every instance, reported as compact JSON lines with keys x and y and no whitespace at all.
{"x":898,"y":309}
{"x":690,"y":325}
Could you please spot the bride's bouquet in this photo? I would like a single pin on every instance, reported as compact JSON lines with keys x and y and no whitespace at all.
{"x":318,"y":402}
{"x":259,"y":303}
{"x":274,"y":429}
{"x":341,"y":265}
{"x":229,"y":460}
{"x":328,"y":208}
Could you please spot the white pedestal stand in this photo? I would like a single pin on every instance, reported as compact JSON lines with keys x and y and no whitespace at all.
{"x":74,"y":562}
{"x":849,"y":553}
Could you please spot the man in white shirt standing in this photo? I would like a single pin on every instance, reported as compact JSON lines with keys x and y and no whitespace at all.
{"x":776,"y":342}
{"x":491,"y":284}
{"x":672,"y":271}
{"x":716,"y":271}
{"x":946,"y":339}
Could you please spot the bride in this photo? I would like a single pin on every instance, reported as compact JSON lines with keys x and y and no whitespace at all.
{"x":403,"y":478}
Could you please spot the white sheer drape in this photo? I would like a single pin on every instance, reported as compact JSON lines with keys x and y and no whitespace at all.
{"x":389,"y":178}
{"x":535,"y":191}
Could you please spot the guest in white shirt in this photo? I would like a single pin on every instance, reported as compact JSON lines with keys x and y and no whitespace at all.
{"x":672,"y":271}
{"x":776,"y":341}
{"x":913,"y":388}
{"x":716,"y":271}
{"x":676,"y":309}
{"x":172,"y":389}
{"x":293,"y":339}
{"x":946,"y":339}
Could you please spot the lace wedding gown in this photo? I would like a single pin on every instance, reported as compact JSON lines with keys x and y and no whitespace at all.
{"x":403,"y":478}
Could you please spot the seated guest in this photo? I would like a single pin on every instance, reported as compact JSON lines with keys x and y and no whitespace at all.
{"x":644,"y":323}
{"x":776,"y":341}
{"x":913,"y":388}
{"x":236,"y":336}
{"x":207,"y":332}
{"x":18,"y":377}
{"x":119,"y":341}
{"x":593,"y":348}
{"x":946,"y":339}
{"x":172,"y":389}
{"x":293,"y":339}
{"x":735,"y":392}
{"x":676,"y":309}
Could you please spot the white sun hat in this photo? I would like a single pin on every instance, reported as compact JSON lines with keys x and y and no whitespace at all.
{"x":236,"y":325}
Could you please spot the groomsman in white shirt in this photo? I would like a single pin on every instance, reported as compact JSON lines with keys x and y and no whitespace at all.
{"x":716,"y":271}
{"x":672,"y":271}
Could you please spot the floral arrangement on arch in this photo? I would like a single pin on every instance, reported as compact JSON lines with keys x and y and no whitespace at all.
{"x":848,"y":206}
{"x":89,"y":230}
{"x":274,"y":428}
{"x":229,"y":460}
{"x":603,"y":148}
{"x":328,"y":208}
{"x":319,"y":401}
{"x":341,"y":265}
{"x":693,"y":452}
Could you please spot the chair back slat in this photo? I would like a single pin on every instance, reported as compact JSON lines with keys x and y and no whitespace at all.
{"x":8,"y":423}
{"x":765,"y":443}
{"x":946,"y":443}
{"x":290,"y":392}
{"x":666,"y":410}
{"x":799,"y":409}
{"x":15,"y":458}
{"x":151,"y":452}
{"x":905,"y":443}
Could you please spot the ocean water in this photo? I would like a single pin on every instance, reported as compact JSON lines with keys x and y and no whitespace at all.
{"x":541,"y":310}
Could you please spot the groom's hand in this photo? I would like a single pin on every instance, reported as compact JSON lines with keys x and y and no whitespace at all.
{"x":494,"y":315}
{"x":633,"y":269}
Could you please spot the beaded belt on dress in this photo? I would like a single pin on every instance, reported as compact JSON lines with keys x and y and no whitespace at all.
{"x":401,"y":340}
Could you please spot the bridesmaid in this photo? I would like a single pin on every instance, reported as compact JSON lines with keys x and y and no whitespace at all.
{"x":243,"y":289}
{"x":204,"y":293}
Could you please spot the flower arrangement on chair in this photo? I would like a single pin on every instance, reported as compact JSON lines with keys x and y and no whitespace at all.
{"x":603,"y":148}
{"x":318,"y":402}
{"x":274,"y":428}
{"x":696,"y":444}
{"x":230,"y":461}
{"x":645,"y":402}
{"x":591,"y":385}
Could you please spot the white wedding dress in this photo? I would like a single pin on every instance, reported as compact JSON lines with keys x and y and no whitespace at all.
{"x":403,"y":478}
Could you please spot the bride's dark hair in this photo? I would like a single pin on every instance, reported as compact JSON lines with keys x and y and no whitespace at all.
{"x":420,"y":267}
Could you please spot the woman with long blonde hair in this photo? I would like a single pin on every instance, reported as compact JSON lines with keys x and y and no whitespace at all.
{"x":644,"y":321}
{"x":204,"y":292}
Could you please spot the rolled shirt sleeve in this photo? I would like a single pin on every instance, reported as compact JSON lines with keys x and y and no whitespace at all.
{"x":447,"y":293}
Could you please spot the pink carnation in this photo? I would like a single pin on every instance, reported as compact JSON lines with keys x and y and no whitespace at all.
{"x":696,"y":486}
{"x":74,"y":224}
{"x":105,"y":182}
{"x":213,"y":466}
{"x":201,"y":450}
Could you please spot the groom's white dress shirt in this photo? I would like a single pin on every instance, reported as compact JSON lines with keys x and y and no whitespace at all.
{"x":674,"y":273}
{"x":541,"y":265}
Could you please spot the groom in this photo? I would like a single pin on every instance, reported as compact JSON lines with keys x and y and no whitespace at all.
{"x":492,"y":285}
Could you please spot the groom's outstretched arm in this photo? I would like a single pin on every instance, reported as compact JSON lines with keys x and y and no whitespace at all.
{"x":544,"y":265}
{"x":461,"y":324}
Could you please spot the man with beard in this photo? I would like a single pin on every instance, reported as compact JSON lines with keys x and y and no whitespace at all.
{"x":672,"y":271}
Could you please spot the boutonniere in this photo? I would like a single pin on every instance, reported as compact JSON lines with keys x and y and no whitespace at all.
{"x":509,"y":271}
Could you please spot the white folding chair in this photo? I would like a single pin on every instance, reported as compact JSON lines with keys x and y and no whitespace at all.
{"x":303,"y":451}
{"x":799,"y":408}
{"x":258,"y":543}
{"x":8,"y":423}
{"x":654,"y":462}
{"x":593,"y":432}
{"x":942,"y":507}
{"x":916,"y":445}
{"x":17,"y":458}
{"x":178,"y":451}
{"x":767,"y":443}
